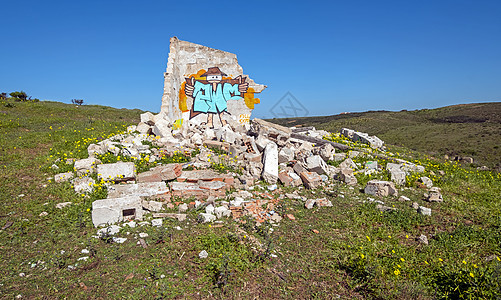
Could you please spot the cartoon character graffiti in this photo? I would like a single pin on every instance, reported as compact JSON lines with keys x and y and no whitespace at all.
{"x":210,"y":95}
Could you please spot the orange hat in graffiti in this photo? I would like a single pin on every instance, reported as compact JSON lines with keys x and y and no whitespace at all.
{"x":213,"y":71}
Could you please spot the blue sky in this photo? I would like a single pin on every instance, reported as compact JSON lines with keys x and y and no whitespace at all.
{"x":333,"y":56}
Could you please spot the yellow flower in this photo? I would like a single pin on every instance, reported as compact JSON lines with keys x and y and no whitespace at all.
{"x":88,"y":209}
{"x":368,"y":238}
{"x":406,"y":236}
{"x":471,"y":274}
{"x":397,"y":272}
{"x":440,"y":259}
{"x":362,"y":256}
{"x":464,"y":262}
{"x":402,"y":259}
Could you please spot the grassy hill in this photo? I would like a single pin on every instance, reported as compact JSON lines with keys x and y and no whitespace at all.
{"x":467,"y":130}
{"x":351,"y":250}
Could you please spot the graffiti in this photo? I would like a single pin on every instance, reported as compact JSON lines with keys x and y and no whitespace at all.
{"x":210,"y":95}
{"x":244,"y":118}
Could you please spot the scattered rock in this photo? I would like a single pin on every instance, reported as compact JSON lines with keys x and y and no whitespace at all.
{"x":203,"y":254}
{"x":423,"y":239}
{"x":156,"y":222}
{"x":424,"y":211}
{"x":204,"y":218}
{"x":380,"y":188}
{"x":63,"y":177}
{"x":434,"y":195}
{"x":63,"y":204}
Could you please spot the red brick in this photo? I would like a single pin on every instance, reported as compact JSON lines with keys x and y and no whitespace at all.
{"x":311,"y":179}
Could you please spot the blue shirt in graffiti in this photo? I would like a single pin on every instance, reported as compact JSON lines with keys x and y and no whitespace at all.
{"x":206,"y":100}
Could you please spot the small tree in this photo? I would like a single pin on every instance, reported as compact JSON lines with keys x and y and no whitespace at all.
{"x":19,"y":96}
{"x":3,"y":96}
{"x":77,"y":101}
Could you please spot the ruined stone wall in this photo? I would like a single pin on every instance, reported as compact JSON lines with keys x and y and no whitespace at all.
{"x":188,"y":59}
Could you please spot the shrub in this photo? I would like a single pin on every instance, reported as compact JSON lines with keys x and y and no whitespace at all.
{"x":19,"y":96}
{"x":77,"y":101}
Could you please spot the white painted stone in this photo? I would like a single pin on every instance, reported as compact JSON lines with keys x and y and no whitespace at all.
{"x":109,"y":211}
{"x":120,"y":171}
{"x":270,"y":163}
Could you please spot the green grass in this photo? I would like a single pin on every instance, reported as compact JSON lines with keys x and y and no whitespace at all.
{"x":358,"y":252}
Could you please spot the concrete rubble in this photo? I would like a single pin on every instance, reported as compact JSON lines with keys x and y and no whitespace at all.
{"x":277,"y":155}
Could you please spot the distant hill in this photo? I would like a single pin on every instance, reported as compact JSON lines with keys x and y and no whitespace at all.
{"x":466,"y":130}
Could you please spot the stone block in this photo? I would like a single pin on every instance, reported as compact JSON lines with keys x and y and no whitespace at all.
{"x":222,"y":211}
{"x":94,"y":149}
{"x":285,"y":155}
{"x":424,"y":211}
{"x":316,"y":164}
{"x":261,"y":142}
{"x":149,"y":176}
{"x":285,"y":179}
{"x":205,"y":218}
{"x":426,"y":181}
{"x":339,"y":156}
{"x":299,"y":168}
{"x":327,"y":152}
{"x":187,"y":189}
{"x":110,"y":211}
{"x":142,"y":189}
{"x":162,"y":129}
{"x":270,"y":163}
{"x":63,"y":177}
{"x":152,"y":205}
{"x":346,"y":175}
{"x":381,"y":188}
{"x":179,"y":217}
{"x":348,"y":163}
{"x":434,"y":195}
{"x":86,"y":166}
{"x":147,"y":118}
{"x":120,"y":171}
{"x":83,"y":185}
{"x":144,"y":128}
{"x":311,"y":180}
{"x":397,"y":176}
{"x":224,"y":146}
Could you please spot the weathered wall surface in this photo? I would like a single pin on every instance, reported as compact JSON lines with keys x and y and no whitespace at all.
{"x":189,"y":60}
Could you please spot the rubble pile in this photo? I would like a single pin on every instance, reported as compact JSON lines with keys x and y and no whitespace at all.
{"x":226,"y":163}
